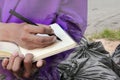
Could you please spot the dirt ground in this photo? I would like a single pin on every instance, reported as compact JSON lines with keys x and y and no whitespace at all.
{"x":110,"y":46}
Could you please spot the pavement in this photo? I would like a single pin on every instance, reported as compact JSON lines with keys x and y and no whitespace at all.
{"x":103,"y":14}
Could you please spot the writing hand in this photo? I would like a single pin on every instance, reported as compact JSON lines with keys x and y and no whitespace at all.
{"x":25,"y":35}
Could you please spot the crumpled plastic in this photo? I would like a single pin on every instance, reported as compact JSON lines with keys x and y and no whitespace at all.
{"x":90,"y":61}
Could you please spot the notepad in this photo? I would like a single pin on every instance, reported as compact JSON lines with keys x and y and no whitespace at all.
{"x":67,"y":43}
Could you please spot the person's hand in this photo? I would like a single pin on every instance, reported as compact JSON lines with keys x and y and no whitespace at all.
{"x":25,"y":35}
{"x":21,"y":67}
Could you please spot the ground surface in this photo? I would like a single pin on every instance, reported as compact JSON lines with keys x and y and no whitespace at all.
{"x":103,"y":14}
{"x":110,"y":46}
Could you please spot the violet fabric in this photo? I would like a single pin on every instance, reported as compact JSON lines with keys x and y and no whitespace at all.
{"x":71,"y":15}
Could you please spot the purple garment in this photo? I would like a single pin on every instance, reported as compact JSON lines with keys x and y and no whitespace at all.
{"x":71,"y":15}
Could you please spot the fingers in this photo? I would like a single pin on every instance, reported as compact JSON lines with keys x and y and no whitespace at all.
{"x":28,"y":38}
{"x":5,"y":63}
{"x":17,"y":64}
{"x":14,"y":65}
{"x":40,"y":63}
{"x":42,"y":39}
{"x":33,"y":41}
{"x":42,"y":29}
{"x":28,"y":65}
{"x":11,"y":61}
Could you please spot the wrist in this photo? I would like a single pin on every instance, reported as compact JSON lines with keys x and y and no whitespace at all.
{"x":5,"y":32}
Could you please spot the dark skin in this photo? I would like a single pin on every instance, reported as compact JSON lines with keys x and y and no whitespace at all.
{"x":13,"y":64}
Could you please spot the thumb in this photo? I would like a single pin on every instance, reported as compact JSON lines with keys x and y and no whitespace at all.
{"x":37,"y":65}
{"x":40,"y":63}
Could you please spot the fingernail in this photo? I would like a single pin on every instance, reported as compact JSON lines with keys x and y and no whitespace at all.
{"x":15,"y":54}
{"x":21,"y":55}
{"x":54,"y":38}
{"x":5,"y":63}
{"x":40,"y":63}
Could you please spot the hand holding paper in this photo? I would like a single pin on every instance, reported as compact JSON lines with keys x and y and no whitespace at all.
{"x":67,"y":43}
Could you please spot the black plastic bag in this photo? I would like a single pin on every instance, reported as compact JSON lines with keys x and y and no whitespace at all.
{"x":116,"y":56}
{"x":90,"y":61}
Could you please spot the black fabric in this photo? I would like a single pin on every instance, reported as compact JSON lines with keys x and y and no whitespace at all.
{"x":90,"y":61}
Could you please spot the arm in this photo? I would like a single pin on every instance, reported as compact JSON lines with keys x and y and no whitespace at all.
{"x":24,"y":35}
{"x":73,"y":20}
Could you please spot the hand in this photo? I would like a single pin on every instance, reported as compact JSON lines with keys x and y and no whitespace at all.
{"x":25,"y":35}
{"x":14,"y":64}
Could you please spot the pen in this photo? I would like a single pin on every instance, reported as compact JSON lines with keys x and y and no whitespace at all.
{"x":27,"y":20}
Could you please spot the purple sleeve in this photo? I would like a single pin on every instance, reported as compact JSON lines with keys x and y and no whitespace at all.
{"x":1,"y":5}
{"x":72,"y":16}
{"x":5,"y":72}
